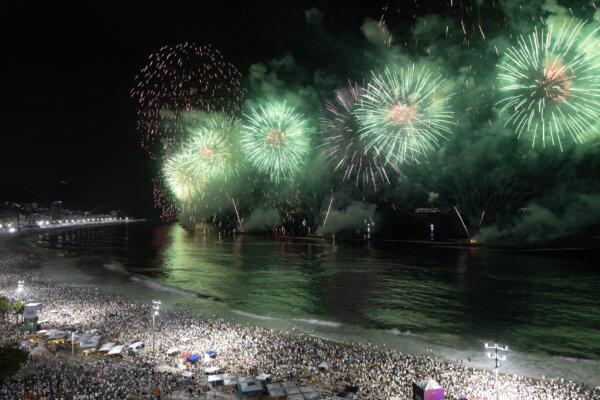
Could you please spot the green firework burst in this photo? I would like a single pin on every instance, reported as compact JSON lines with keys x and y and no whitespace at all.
{"x":551,"y":83}
{"x":275,"y":140}
{"x":341,"y":143}
{"x":214,"y":148}
{"x":404,"y":114}
{"x":181,"y":175}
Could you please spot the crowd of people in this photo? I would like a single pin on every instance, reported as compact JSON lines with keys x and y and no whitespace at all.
{"x":247,"y":351}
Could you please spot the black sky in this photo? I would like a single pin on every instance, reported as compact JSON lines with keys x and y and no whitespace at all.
{"x":68,"y":71}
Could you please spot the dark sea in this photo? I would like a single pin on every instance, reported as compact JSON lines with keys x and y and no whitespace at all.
{"x":543,"y":304}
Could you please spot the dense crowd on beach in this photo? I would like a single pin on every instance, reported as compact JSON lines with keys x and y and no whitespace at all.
{"x":247,"y":351}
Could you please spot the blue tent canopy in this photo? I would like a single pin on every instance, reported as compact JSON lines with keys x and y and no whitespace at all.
{"x":210,"y":353}
{"x":192,"y":358}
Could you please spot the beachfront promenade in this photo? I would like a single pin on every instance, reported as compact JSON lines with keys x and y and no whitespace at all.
{"x":241,"y":351}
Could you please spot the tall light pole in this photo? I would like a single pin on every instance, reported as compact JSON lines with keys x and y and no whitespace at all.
{"x":494,"y":356}
{"x":20,"y":288}
{"x":155,"y":308}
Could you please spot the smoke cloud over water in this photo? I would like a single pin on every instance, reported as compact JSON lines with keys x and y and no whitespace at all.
{"x":355,"y":217}
{"x":261,"y":220}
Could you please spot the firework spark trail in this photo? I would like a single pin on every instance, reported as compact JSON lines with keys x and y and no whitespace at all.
{"x":481,"y":30}
{"x":481,"y":220}
{"x":163,"y":200}
{"x":404,"y":114}
{"x":275,"y":140}
{"x":175,"y":81}
{"x":462,"y":222}
{"x":238,"y":214}
{"x":328,"y":209}
{"x":341,"y":142}
{"x":552,"y":84}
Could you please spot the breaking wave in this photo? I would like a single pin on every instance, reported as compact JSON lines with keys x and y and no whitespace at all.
{"x":170,"y":289}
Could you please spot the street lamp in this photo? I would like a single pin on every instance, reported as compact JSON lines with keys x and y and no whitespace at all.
{"x":494,"y":356}
{"x":155,"y":308}
{"x":20,"y":287}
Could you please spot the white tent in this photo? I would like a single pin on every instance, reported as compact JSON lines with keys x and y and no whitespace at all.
{"x":106,"y":346}
{"x":230,"y":379}
{"x":135,"y":345}
{"x":82,"y":338}
{"x":263,"y":377}
{"x":187,"y":374}
{"x":90,"y":342}
{"x":75,"y":336}
{"x":55,"y":334}
{"x":275,"y":390}
{"x":215,"y":378}
{"x":290,"y":388}
{"x":212,"y":370}
{"x":428,"y":384}
{"x":116,"y":350}
{"x":173,"y":350}
{"x":324,"y":365}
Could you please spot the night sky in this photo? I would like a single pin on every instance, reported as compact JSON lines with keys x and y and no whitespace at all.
{"x":68,"y":115}
{"x":68,"y":71}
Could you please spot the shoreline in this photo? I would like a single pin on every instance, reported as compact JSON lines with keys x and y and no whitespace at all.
{"x":308,"y":325}
{"x":179,"y":297}
{"x":430,"y":362}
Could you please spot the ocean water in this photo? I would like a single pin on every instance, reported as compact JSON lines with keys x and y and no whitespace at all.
{"x":545,"y":305}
